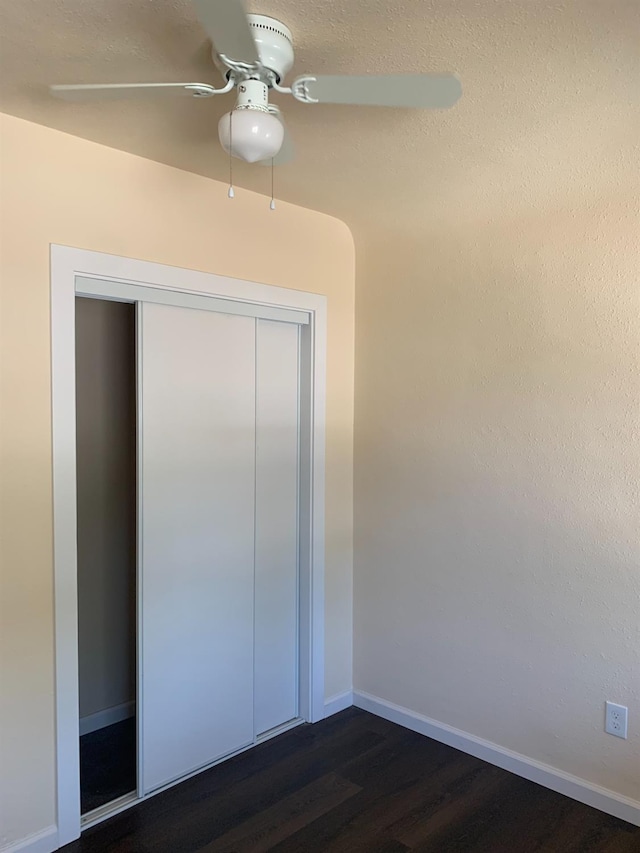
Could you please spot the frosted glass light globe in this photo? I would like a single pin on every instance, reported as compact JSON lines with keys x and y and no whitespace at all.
{"x":257,"y":135}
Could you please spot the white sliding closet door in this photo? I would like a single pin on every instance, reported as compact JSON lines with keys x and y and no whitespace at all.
{"x":197,"y":471}
{"x":276,"y":581}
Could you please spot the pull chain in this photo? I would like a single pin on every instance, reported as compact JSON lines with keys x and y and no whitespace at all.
{"x":272,"y":203}
{"x":231,"y":193}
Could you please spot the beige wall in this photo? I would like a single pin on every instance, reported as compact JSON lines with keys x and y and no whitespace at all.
{"x":106,"y":478}
{"x":497,"y":574}
{"x":60,"y":189}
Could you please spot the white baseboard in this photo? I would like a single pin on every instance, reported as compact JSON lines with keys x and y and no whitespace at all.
{"x":338,"y":703}
{"x":45,"y":841}
{"x":102,"y":719}
{"x":550,"y":777}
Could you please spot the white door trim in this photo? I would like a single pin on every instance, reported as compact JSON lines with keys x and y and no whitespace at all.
{"x":67,"y":265}
{"x":120,"y":291}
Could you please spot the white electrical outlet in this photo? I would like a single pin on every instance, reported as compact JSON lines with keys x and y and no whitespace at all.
{"x":615,"y":722}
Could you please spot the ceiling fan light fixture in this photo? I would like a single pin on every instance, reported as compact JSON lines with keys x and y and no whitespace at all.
{"x":257,"y":134}
{"x":254,"y":53}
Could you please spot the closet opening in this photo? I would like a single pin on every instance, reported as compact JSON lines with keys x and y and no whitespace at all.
{"x":106,"y":549}
{"x":188,"y":483}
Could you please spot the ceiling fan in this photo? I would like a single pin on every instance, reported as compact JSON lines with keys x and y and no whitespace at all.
{"x":254,"y":53}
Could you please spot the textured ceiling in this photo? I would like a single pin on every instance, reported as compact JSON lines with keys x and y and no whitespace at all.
{"x":538,"y":76}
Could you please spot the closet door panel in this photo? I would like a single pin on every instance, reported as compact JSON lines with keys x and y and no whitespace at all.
{"x":197,"y":450}
{"x":276,"y":590}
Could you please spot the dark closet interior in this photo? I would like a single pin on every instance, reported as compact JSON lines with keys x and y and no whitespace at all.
{"x":106,"y":516}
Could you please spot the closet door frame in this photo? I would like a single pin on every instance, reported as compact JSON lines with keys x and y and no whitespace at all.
{"x":78,"y":272}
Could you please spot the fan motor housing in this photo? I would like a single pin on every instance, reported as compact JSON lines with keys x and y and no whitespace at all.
{"x":274,"y":43}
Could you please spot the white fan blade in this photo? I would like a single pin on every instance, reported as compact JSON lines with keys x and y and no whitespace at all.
{"x":434,"y":91}
{"x":112,"y":91}
{"x":226,"y":24}
{"x":286,"y":153}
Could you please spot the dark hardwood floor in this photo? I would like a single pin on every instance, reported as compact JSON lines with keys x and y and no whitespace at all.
{"x":358,"y":784}
{"x":107,"y":764}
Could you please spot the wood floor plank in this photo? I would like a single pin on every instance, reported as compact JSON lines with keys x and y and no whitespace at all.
{"x":215,"y":813}
{"x":390,"y":774}
{"x":551,"y":822}
{"x":263,"y":831}
{"x":470,"y":795}
{"x":517,"y":815}
{"x":386,"y":845}
{"x":621,"y":842}
{"x":357,"y":784}
{"x":383,"y":815}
